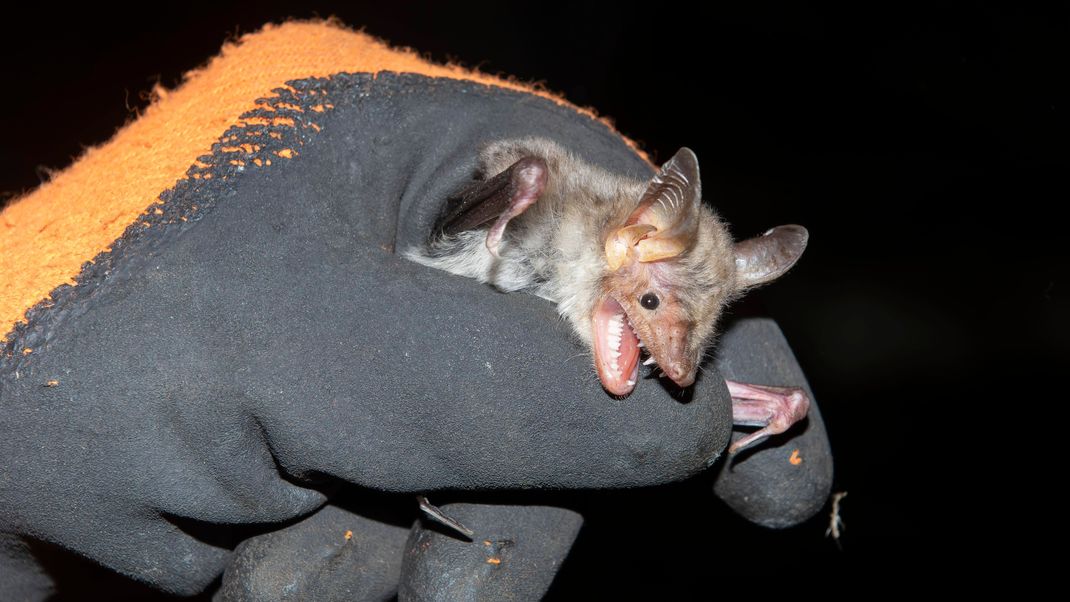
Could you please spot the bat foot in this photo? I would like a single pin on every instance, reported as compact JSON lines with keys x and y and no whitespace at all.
{"x":774,"y":409}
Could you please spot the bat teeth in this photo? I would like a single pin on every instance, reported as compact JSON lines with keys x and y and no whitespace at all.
{"x":649,"y":361}
{"x":614,"y":338}
{"x":639,"y":341}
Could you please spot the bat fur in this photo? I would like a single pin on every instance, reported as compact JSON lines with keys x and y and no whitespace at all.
{"x":557,"y":249}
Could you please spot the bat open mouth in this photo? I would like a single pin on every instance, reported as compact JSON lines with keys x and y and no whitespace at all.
{"x":616,"y":348}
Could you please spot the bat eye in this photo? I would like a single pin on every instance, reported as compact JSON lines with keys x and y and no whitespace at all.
{"x":649,"y":301}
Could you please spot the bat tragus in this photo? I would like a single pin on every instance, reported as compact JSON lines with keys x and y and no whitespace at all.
{"x":632,"y":265}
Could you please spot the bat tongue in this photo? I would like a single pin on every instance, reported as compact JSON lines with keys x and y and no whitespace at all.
{"x":616,"y":348}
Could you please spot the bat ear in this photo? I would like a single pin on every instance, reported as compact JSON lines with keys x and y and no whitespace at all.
{"x":665,"y":223}
{"x":765,"y":258}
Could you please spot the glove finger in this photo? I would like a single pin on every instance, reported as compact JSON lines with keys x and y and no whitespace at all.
{"x":331,"y":555}
{"x":786,"y":479}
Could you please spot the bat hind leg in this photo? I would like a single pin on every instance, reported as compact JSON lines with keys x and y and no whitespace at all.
{"x":774,"y":409}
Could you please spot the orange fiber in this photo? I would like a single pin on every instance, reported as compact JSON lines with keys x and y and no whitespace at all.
{"x":47,"y":235}
{"x":795,"y":458}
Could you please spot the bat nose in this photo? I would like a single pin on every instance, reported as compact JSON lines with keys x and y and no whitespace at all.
{"x":680,"y":373}
{"x":679,"y":368}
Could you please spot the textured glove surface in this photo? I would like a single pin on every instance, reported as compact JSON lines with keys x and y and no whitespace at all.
{"x":210,"y":367}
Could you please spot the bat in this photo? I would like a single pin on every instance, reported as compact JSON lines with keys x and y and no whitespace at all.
{"x":638,"y":268}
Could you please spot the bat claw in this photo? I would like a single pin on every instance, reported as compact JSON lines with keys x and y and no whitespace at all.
{"x":492,"y":246}
{"x":494,"y":236}
{"x":744,"y":443}
{"x":440,"y":517}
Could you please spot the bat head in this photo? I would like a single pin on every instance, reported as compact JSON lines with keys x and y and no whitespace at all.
{"x":671,"y":267}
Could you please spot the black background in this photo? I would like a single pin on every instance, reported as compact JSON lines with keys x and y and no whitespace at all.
{"x":925,"y":149}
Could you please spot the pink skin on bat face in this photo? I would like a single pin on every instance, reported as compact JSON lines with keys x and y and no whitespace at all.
{"x":664,"y":328}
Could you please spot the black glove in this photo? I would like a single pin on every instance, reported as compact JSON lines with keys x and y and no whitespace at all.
{"x":218,"y":370}
{"x":517,"y":549}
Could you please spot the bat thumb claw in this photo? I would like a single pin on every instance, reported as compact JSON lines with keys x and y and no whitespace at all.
{"x":494,"y":238}
{"x":746,"y":443}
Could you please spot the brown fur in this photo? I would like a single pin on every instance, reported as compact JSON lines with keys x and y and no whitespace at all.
{"x":556,"y":249}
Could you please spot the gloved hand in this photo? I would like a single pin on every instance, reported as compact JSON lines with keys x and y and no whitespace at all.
{"x":218,"y":370}
{"x":338,"y":553}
